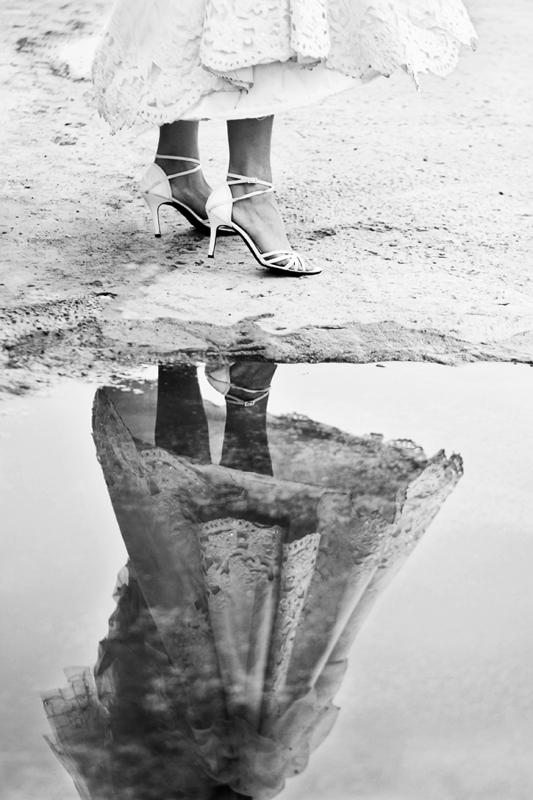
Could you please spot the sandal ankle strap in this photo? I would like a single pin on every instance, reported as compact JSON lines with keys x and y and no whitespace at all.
{"x":238,"y":401}
{"x":239,"y":180}
{"x":181,"y":158}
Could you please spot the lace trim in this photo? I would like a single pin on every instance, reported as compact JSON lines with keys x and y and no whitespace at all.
{"x":74,"y":711}
{"x":238,"y":551}
{"x":157,"y":58}
{"x":297,"y":571}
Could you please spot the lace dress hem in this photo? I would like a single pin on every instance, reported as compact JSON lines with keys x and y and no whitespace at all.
{"x":160,"y":61}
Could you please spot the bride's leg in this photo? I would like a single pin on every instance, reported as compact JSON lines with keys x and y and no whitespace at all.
{"x":181,"y":139}
{"x":249,"y":148}
{"x":181,"y":424}
{"x":245,"y":437}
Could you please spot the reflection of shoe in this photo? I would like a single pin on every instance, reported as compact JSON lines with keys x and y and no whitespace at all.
{"x":219,"y":378}
{"x":156,"y":190}
{"x":219,"y":211}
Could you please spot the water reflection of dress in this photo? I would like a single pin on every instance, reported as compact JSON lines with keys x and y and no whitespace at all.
{"x":237,"y":609}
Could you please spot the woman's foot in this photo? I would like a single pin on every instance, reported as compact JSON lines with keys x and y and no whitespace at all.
{"x":192,"y":190}
{"x":259,"y":216}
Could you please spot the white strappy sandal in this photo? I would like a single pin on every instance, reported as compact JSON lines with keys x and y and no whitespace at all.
{"x":219,"y":378}
{"x":156,"y":190}
{"x":219,"y":212}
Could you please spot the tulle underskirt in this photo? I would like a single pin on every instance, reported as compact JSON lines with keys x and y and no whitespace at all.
{"x":273,"y":88}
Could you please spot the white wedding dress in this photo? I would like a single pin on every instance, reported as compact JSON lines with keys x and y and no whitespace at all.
{"x":230,"y":640}
{"x":164,"y":60}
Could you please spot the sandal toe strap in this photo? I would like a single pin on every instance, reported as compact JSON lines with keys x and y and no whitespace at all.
{"x":294,"y":262}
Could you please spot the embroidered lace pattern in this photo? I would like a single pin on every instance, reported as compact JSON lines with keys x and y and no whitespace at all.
{"x":80,"y":725}
{"x":237,"y":551}
{"x":418,"y":35}
{"x":147,"y":65}
{"x":242,"y":33}
{"x":299,"y":560}
{"x":74,"y":708}
{"x":158,"y":57}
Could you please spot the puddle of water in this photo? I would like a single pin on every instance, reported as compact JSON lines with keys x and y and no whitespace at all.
{"x":313,"y":550}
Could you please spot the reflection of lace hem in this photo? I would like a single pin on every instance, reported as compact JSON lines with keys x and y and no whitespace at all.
{"x":299,"y":563}
{"x":80,"y":725}
{"x":74,"y":710}
{"x":151,"y":51}
{"x":236,"y":550}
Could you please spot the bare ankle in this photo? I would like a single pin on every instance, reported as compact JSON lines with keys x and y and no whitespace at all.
{"x":251,"y":168}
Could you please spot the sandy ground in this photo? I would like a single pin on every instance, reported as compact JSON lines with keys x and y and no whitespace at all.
{"x":418,"y":206}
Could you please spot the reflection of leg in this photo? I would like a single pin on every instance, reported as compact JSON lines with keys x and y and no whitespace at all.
{"x":181,"y":424}
{"x":245,"y":437}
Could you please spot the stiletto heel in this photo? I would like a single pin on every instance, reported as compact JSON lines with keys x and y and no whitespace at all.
{"x":156,"y":190}
{"x":219,"y":207}
{"x":154,"y":204}
{"x":214,"y":224}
